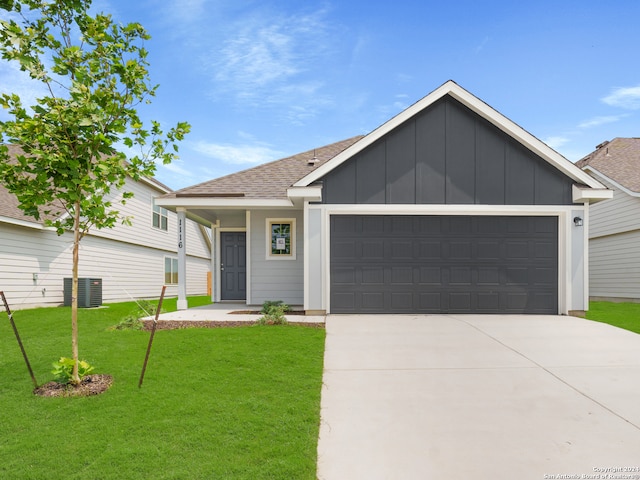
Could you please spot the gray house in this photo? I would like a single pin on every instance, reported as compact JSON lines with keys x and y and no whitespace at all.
{"x":449,"y":207}
{"x":614,"y":232}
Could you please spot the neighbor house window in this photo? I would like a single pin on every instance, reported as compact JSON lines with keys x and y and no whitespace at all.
{"x":170,"y":271}
{"x":281,"y":238}
{"x":160,"y":218}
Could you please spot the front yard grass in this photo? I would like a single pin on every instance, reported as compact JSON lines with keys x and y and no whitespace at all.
{"x":622,"y":315}
{"x":225,"y":403}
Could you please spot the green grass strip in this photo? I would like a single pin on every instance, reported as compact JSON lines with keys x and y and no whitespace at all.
{"x":225,"y":403}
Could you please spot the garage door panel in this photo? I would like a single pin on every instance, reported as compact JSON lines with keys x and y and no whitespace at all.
{"x":402,"y":276}
{"x":344,"y":276}
{"x":460,"y":275}
{"x":440,"y":264}
{"x":517,"y":250}
{"x":488,"y":302}
{"x":372,"y":275}
{"x":488,"y":275}
{"x":430,"y":275}
{"x":429,"y":249}
{"x":402,"y":301}
{"x":430,"y":302}
{"x":372,"y":249}
{"x":460,"y":302}
{"x":545,"y":276}
{"x":373,"y":301}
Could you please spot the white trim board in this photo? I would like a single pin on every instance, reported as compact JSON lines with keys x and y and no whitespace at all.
{"x":476,"y":105}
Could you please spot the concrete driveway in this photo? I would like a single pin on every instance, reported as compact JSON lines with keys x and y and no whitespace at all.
{"x":479,"y":397}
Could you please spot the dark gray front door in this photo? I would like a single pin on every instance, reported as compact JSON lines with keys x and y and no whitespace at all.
{"x":444,"y":264}
{"x":233,"y":266}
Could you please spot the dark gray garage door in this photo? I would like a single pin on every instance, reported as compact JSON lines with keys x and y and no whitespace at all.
{"x":444,"y":264}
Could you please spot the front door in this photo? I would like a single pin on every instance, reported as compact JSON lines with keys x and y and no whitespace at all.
{"x":233,"y":266}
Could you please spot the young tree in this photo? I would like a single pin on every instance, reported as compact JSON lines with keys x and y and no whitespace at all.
{"x":95,"y":74}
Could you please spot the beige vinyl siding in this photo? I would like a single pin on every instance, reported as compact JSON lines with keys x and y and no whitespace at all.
{"x":141,"y":231}
{"x":279,"y":278}
{"x":129,"y":259}
{"x":619,"y":214}
{"x":614,"y":266}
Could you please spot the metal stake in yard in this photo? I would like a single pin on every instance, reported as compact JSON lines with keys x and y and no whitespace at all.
{"x":15,"y":330}
{"x":153,"y":332}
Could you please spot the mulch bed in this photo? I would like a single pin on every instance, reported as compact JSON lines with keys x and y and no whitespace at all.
{"x":177,"y":324}
{"x":90,"y":385}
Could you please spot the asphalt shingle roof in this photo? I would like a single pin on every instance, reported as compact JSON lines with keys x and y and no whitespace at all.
{"x":9,"y":203}
{"x":619,"y":160}
{"x":268,"y":181}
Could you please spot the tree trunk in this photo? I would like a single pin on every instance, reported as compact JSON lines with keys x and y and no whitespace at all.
{"x":75,"y":378}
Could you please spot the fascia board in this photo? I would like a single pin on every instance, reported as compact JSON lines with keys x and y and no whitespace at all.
{"x":22,"y":223}
{"x":525,"y":138}
{"x":311,"y":194}
{"x":150,"y":183}
{"x":375,"y":135}
{"x":479,"y":107}
{"x":590,"y":195}
{"x":212,"y":202}
{"x":611,"y":181}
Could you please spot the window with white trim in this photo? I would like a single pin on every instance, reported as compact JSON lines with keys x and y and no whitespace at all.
{"x":160,"y":218}
{"x":281,"y":238}
{"x":170,"y":271}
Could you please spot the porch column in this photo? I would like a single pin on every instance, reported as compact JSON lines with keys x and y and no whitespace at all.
{"x":182,"y":258}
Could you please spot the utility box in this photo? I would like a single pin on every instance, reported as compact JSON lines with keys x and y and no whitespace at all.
{"x":89,"y":292}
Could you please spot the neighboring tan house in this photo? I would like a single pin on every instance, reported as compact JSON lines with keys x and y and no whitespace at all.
{"x":132,"y":261}
{"x":449,"y":207}
{"x":614,"y":231}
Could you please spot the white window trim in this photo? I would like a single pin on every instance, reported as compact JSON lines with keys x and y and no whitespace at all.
{"x":153,"y":213}
{"x":268,"y":223}
{"x":164,"y":268}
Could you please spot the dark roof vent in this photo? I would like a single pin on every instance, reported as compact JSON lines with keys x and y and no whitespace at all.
{"x":314,"y":160}
{"x":598,"y":147}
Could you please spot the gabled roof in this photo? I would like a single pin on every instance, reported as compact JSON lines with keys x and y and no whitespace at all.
{"x":479,"y":107}
{"x":617,"y":160}
{"x":269,"y":181}
{"x":9,"y":205}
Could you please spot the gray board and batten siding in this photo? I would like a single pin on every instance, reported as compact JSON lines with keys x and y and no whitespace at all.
{"x":447,"y":155}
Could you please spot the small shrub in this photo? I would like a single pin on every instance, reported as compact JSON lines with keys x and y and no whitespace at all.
{"x":273,"y":313}
{"x":133,"y":320}
{"x":130,"y":322}
{"x":270,"y":305}
{"x":63,"y":370}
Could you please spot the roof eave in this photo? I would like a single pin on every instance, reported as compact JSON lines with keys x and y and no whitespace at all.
{"x":477,"y":106}
{"x":222,"y":202}
{"x":583,"y":194}
{"x":612,"y":181}
{"x":23,"y":223}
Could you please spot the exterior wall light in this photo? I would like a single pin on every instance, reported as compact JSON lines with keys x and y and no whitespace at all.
{"x":577,"y":221}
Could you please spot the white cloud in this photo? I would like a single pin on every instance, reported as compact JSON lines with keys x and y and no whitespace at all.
{"x":237,"y":154}
{"x":271,"y":58}
{"x":557,"y":141}
{"x":624,"y":97}
{"x":185,"y":11}
{"x":602,"y":120}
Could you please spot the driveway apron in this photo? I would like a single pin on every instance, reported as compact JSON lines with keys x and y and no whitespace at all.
{"x":479,"y":397}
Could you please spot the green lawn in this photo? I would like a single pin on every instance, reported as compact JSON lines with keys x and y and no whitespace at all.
{"x":623,"y":315}
{"x":227,"y":403}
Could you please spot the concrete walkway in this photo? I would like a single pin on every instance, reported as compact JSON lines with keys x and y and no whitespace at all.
{"x":226,"y":312}
{"x":479,"y":397}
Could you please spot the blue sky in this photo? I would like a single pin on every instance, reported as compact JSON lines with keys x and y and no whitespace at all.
{"x":261,"y":80}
